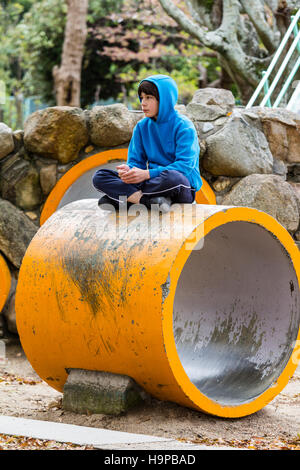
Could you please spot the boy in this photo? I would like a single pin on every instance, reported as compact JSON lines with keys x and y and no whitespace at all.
{"x":163,"y":155}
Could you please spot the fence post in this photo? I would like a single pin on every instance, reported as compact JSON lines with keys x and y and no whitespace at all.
{"x":266,"y":89}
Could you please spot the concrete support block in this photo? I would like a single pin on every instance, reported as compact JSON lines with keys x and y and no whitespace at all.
{"x":94,"y":392}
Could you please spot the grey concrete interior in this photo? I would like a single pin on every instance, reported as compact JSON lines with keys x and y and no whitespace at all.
{"x":83,"y":187}
{"x":236,"y":313}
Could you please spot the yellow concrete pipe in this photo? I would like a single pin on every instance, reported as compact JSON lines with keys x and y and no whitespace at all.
{"x":5,"y":282}
{"x":207,"y":317}
{"x":75,"y":184}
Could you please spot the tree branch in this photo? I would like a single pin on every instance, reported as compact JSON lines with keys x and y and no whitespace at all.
{"x":194,"y":12}
{"x":231,"y":13}
{"x":207,"y":38}
{"x":199,"y":13}
{"x":228,"y":39}
{"x":248,"y":38}
{"x":255,"y":11}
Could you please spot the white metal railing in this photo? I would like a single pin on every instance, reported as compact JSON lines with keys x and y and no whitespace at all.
{"x":287,"y":83}
{"x":264,"y":83}
{"x":294,"y":103}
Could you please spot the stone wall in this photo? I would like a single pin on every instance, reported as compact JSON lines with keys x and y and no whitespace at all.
{"x":249,"y":157}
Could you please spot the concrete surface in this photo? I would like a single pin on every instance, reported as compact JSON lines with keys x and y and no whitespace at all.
{"x":98,"y":438}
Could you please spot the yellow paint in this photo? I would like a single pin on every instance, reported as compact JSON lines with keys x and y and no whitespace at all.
{"x":73,"y":174}
{"x":5,"y":282}
{"x":120,"y":322}
{"x":194,"y":395}
{"x":204,"y":196}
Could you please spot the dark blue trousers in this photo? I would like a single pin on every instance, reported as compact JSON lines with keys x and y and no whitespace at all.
{"x":170,"y":183}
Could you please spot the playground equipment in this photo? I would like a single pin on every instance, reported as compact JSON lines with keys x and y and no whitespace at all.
{"x":208,"y":318}
{"x":5,"y":282}
{"x":76,"y":184}
{"x":268,"y":89}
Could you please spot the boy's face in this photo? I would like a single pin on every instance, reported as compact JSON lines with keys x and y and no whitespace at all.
{"x":150,"y":105}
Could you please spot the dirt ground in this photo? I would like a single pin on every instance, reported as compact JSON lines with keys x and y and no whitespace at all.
{"x":277,"y":426}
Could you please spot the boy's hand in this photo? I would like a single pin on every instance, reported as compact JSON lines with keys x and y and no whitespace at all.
{"x":122,"y":169}
{"x":135,"y":175}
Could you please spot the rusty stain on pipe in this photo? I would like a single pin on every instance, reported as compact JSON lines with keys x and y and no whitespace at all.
{"x":207,"y":319}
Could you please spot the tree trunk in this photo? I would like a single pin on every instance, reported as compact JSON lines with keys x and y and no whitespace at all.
{"x":19,"y":110}
{"x":67,"y":77}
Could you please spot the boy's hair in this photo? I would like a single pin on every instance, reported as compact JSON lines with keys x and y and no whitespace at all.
{"x":149,"y":89}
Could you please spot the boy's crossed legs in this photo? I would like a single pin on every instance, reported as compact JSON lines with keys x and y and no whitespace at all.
{"x":170,"y":184}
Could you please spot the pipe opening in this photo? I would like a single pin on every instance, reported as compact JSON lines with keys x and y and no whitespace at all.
{"x":236,"y":313}
{"x":82,"y":187}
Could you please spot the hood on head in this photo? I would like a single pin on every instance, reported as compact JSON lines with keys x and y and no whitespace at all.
{"x":168,"y":95}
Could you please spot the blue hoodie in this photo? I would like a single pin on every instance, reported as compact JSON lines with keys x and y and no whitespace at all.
{"x":168,"y":143}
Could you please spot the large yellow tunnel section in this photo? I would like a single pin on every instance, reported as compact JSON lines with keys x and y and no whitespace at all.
{"x":200,"y":306}
{"x":5,"y":282}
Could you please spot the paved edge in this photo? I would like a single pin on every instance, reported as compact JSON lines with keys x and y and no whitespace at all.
{"x":96,"y":437}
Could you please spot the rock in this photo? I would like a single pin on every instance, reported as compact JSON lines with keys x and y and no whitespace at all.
{"x":6,"y":140}
{"x":268,"y":193}
{"x":2,"y":332}
{"x":207,"y":126}
{"x":209,"y":104}
{"x":282,"y":130}
{"x":62,"y":169}
{"x":203,"y":130}
{"x":249,"y":114}
{"x":203,"y":146}
{"x":200,"y":112}
{"x":223,"y":183}
{"x":58,"y":133}
{"x":136,"y":115}
{"x":16,"y":232}
{"x":181,"y":108}
{"x":279,"y":168}
{"x":294,"y":173}
{"x":13,"y":167}
{"x":9,"y":311}
{"x":89,"y":149}
{"x":48,"y":178}
{"x":31,"y":215}
{"x":111,"y":125}
{"x":214,"y":97}
{"x":87,"y":391}
{"x":296,"y":189}
{"x":20,"y":183}
{"x":10,"y":315}
{"x":221,"y":121}
{"x":28,"y":192}
{"x":18,"y":137}
{"x":237,"y":149}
